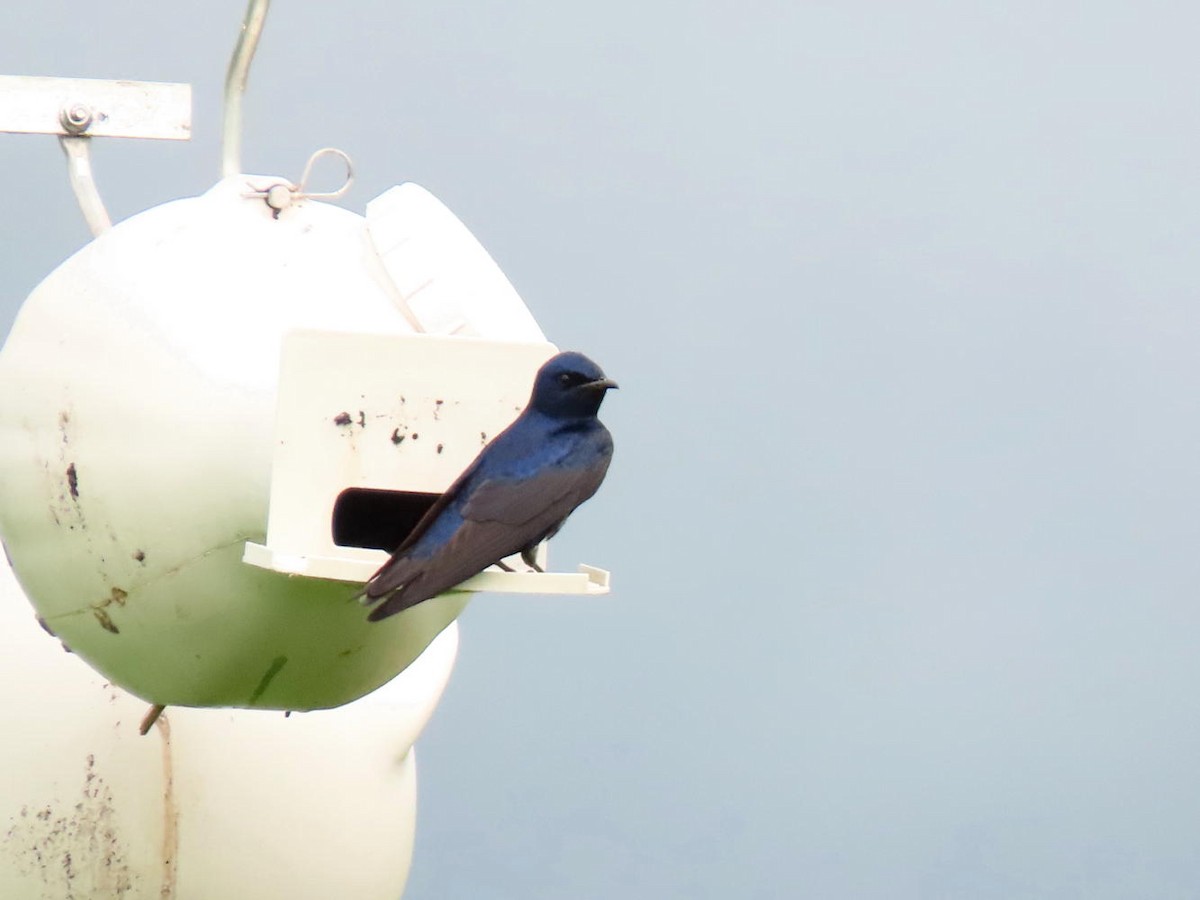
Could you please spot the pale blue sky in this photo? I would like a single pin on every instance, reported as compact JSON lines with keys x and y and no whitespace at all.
{"x":903,"y":519}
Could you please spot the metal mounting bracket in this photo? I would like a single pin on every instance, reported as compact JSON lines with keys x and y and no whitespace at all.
{"x":78,"y":109}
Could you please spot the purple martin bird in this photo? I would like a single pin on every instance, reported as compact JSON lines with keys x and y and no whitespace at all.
{"x":516,"y":494}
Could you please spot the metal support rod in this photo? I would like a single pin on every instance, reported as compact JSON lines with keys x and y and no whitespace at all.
{"x":235,"y":86}
{"x":79,"y":171}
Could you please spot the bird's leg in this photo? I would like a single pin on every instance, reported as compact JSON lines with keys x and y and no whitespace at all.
{"x":505,"y":566}
{"x":529,"y":554}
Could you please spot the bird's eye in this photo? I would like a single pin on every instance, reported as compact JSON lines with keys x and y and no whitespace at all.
{"x":565,"y":379}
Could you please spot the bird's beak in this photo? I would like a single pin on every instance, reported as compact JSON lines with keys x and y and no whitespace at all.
{"x":602,"y":384}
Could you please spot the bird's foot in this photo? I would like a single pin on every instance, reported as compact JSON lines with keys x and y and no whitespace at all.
{"x":529,"y":555}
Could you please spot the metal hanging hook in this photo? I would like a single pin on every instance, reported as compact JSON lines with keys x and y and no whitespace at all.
{"x":235,"y":86}
{"x":308,"y":167}
{"x":282,"y":194}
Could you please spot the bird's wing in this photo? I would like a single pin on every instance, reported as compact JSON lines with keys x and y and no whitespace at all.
{"x":501,"y":517}
{"x":407,"y":580}
{"x":548,"y":494}
{"x":399,"y":568}
{"x":448,"y":496}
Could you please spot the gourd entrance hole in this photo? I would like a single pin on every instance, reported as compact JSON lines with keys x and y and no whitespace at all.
{"x":375,"y":519}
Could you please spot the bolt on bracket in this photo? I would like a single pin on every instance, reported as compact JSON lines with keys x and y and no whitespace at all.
{"x":78,"y":109}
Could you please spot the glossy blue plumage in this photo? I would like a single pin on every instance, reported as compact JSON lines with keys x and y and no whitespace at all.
{"x":517,"y":492}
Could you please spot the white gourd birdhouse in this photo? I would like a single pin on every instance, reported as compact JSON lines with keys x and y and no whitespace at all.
{"x":218,"y":415}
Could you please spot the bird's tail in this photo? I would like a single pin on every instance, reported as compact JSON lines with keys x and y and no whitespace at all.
{"x":395,"y":602}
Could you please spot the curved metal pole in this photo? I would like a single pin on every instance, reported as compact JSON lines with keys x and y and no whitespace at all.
{"x":79,"y":170}
{"x":235,"y":86}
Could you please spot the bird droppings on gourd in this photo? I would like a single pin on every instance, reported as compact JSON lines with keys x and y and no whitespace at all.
{"x":99,"y":610}
{"x":105,"y":620}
